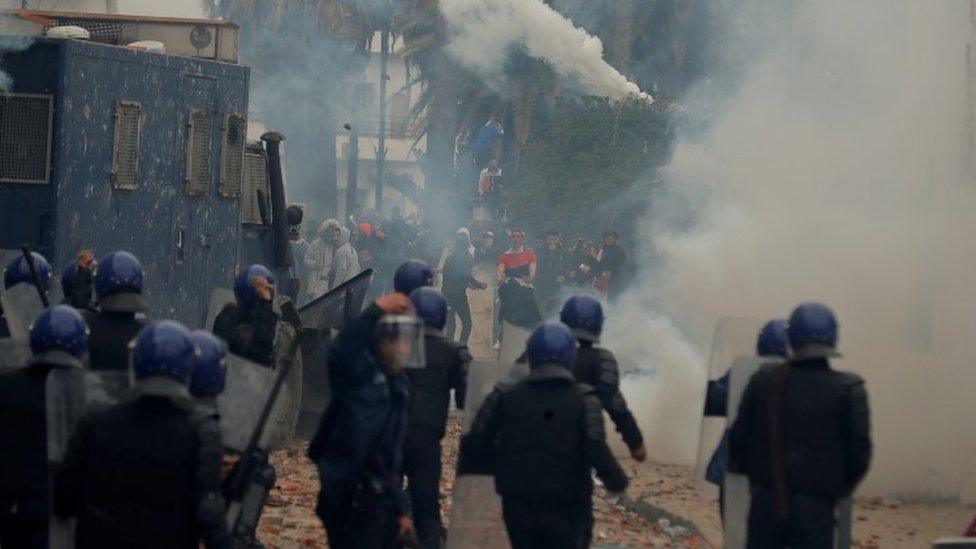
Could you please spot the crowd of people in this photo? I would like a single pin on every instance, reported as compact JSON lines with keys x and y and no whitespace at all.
{"x":145,"y":466}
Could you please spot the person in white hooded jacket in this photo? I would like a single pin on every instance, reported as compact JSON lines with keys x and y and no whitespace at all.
{"x":345,"y":260}
{"x":319,"y":257}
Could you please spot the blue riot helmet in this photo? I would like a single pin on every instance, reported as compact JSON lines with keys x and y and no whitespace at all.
{"x":209,"y":365}
{"x":773,"y":339}
{"x":552,"y":342}
{"x":398,"y":341}
{"x":584,"y":316}
{"x":813,"y":331}
{"x":244,"y":291}
{"x":431,"y":307}
{"x":59,"y":335}
{"x":164,"y":348}
{"x":118,"y":283}
{"x":18,"y":271}
{"x":413,"y":274}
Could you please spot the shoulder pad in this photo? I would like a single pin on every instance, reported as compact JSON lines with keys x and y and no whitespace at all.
{"x":606,"y":355}
{"x":849,"y":379}
{"x":585,"y":389}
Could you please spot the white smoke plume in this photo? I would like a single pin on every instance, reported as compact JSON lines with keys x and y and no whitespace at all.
{"x":841,"y":172}
{"x":483,"y":32}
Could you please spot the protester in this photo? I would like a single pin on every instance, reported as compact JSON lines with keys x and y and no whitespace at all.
{"x":319,"y":257}
{"x":457,"y":279}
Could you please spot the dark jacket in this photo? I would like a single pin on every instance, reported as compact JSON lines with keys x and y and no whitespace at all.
{"x":457,"y":273}
{"x":248,"y":333}
{"x":826,"y":424}
{"x":551,"y":264}
{"x":446,"y":369}
{"x":143,"y":473}
{"x":540,"y":438}
{"x":23,"y":443}
{"x":80,"y":293}
{"x":597,"y":367}
{"x":109,"y":337}
{"x":360,"y":439}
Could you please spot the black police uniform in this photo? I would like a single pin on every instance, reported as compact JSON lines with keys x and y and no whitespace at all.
{"x":359,"y":444}
{"x":109,"y":337}
{"x":431,"y":386}
{"x":540,"y":438}
{"x":144,"y":473}
{"x":79,"y":294}
{"x":23,"y":457}
{"x":249,"y":333}
{"x":824,"y":454}
{"x":597,"y":367}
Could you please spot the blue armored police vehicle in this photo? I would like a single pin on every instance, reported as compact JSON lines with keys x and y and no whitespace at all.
{"x":130,"y":133}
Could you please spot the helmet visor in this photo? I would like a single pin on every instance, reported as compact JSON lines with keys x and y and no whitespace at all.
{"x":400,"y":341}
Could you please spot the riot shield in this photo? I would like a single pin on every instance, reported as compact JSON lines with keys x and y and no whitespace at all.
{"x":14,"y":353}
{"x":476,"y":519}
{"x":339,"y":304}
{"x":21,"y":305}
{"x":737,"y":496}
{"x":284,"y":419}
{"x":219,"y":298}
{"x":246,"y":389}
{"x":320,"y":318}
{"x":70,"y":392}
{"x":734,"y":337}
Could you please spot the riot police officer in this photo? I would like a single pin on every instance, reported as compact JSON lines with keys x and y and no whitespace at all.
{"x":446,"y":369}
{"x":18,"y":272}
{"x":249,"y":326}
{"x":802,"y":435}
{"x":541,"y":437}
{"x":772,"y":343}
{"x":359,"y":443}
{"x":58,"y":339}
{"x":597,"y":367}
{"x":134,"y":474}
{"x":118,"y":288}
{"x":209,"y":371}
{"x":412,"y":274}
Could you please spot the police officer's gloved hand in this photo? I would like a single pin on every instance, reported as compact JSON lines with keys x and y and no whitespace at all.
{"x":639,"y":454}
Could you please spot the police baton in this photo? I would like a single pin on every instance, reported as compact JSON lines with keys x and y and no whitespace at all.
{"x":35,"y":280}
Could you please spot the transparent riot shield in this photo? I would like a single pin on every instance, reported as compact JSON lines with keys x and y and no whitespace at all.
{"x":321,"y":318}
{"x":737,"y":495}
{"x":64,"y":406}
{"x":734,"y":337}
{"x":339,"y":304}
{"x":284,"y":419}
{"x":246,"y":389}
{"x":14,"y":353}
{"x":219,"y":298}
{"x":476,"y":515}
{"x":21,"y":305}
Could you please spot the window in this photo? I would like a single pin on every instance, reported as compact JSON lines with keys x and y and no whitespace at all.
{"x":255,"y":181}
{"x":198,"y":170}
{"x":125,"y":150}
{"x":232,"y":161}
{"x":25,"y":138}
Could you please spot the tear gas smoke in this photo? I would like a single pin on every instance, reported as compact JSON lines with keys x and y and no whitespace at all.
{"x":483,"y":32}
{"x":841,"y":171}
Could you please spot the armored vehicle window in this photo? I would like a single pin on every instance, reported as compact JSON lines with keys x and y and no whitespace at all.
{"x":25,"y":138}
{"x":198,"y":169}
{"x":125,"y":151}
{"x":255,"y":190}
{"x":232,"y":159}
